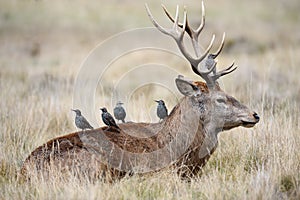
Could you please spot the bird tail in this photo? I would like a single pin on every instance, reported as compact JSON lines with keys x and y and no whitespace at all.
{"x":123,"y":120}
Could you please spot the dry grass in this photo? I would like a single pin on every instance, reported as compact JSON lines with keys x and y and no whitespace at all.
{"x":43,"y":45}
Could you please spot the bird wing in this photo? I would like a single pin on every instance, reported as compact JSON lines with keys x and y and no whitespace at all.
{"x":122,"y":110}
{"x":119,"y":113}
{"x":111,"y":120}
{"x":104,"y":119}
{"x":86,"y":123}
{"x":116,"y":112}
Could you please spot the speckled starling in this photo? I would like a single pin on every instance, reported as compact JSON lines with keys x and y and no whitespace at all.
{"x":108,"y":119}
{"x":119,"y":112}
{"x":81,"y":122}
{"x":162,"y":111}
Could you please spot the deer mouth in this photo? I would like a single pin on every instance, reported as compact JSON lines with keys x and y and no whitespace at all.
{"x":248,"y":124}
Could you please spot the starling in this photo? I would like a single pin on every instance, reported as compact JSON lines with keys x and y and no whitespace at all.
{"x":81,"y":122}
{"x":119,"y":112}
{"x":162,"y":111}
{"x":210,"y":62}
{"x":108,"y":119}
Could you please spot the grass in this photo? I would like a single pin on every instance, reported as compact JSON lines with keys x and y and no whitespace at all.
{"x":40,"y":59}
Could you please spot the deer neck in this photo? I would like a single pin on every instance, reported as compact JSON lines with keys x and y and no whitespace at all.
{"x":186,"y":126}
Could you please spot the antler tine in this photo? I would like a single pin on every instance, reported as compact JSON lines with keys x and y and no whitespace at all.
{"x":201,"y":26}
{"x":175,"y":25}
{"x":174,"y":33}
{"x":194,"y":61}
{"x":187,"y":28}
{"x":159,"y":27}
{"x":178,"y":37}
{"x":177,"y":33}
{"x":191,"y":32}
{"x":171,"y":32}
{"x":214,"y":55}
{"x":207,"y":50}
{"x":179,"y":40}
{"x":194,"y":34}
{"x":223,"y":72}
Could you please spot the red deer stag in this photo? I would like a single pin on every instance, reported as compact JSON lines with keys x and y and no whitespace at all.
{"x":183,"y":141}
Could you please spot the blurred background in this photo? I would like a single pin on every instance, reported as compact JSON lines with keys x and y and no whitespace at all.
{"x":45,"y":45}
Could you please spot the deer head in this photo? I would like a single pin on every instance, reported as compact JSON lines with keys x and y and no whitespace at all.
{"x":217,"y":110}
{"x":187,"y":137}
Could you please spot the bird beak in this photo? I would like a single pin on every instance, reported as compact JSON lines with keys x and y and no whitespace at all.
{"x":73,"y":110}
{"x":156,"y":101}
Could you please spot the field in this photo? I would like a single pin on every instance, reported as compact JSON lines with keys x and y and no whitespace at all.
{"x":49,"y":47}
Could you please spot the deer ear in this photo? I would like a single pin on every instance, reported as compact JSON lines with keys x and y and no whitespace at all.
{"x":186,"y":88}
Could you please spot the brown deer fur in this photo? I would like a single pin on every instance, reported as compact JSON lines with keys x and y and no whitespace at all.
{"x":81,"y":150}
{"x":183,"y":141}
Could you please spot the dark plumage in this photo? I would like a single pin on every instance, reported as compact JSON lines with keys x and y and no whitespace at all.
{"x":119,"y":112}
{"x":81,"y":122}
{"x":108,"y":119}
{"x":162,"y":111}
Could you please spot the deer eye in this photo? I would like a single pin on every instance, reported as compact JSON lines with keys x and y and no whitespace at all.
{"x":220,"y":100}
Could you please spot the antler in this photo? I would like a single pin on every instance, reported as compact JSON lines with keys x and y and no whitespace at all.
{"x":194,"y":34}
{"x":177,"y":33}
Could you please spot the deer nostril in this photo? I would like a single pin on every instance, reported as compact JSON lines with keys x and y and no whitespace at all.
{"x":255,"y":115}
